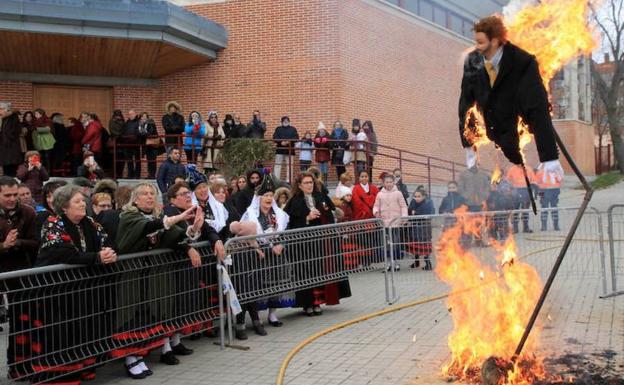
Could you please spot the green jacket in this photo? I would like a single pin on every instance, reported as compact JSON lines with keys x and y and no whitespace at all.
{"x":132,"y":235}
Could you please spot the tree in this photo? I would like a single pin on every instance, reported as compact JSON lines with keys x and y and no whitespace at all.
{"x":610,"y":22}
{"x":240,"y":155}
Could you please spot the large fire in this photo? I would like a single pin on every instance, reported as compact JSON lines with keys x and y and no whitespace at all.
{"x":490,"y":319}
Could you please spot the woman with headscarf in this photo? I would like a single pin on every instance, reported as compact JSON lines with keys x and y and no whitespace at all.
{"x":308,"y":207}
{"x":194,"y":131}
{"x":212,"y":142}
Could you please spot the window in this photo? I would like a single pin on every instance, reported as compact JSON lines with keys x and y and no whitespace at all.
{"x":411,"y":5}
{"x":456,"y":24}
{"x":425,"y":10}
{"x":439,"y":16}
{"x":468,"y":25}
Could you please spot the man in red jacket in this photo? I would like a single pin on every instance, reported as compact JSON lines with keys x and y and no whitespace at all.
{"x":92,"y":139}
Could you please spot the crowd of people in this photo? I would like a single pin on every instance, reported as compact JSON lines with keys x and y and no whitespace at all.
{"x":87,"y":146}
{"x":92,"y":219}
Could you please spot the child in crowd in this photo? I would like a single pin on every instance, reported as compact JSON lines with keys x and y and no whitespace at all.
{"x":500,"y":199}
{"x":305,"y":151}
{"x":322,"y":144}
{"x":421,"y":228}
{"x":390,"y":205}
{"x":451,"y":202}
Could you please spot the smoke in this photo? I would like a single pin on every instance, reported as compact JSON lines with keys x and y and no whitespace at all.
{"x":514,"y":6}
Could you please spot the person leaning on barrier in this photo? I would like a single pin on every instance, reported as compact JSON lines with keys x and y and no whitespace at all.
{"x":143,"y":227}
{"x":420,"y":239}
{"x":70,"y":237}
{"x":308,"y":207}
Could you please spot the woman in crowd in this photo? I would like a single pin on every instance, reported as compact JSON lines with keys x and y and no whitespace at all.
{"x":47,"y":196}
{"x":367,"y":126}
{"x":90,"y":169}
{"x":233,"y":186}
{"x":346,"y":180}
{"x":389,"y":206}
{"x":43,"y":136}
{"x":212,"y":142}
{"x":153,"y":145}
{"x":142,"y":227}
{"x":60,"y":151}
{"x":116,"y":126}
{"x":421,"y":228}
{"x":241,"y":182}
{"x":309,"y":206}
{"x":269,"y":255}
{"x":361,"y":148}
{"x":105,"y":214}
{"x":322,"y":155}
{"x":71,"y":237}
{"x":76,"y":132}
{"x":194,"y":131}
{"x":340,"y":145}
{"x":25,"y":136}
{"x":33,"y":174}
{"x":364,"y":194}
{"x":282,"y":195}
{"x":305,"y":146}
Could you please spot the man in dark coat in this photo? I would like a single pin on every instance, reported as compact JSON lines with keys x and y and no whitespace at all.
{"x":243,"y":198}
{"x":130,"y":142}
{"x":169,"y":170}
{"x":284,"y":137}
{"x":505,"y":84}
{"x":256,"y":128}
{"x":173,"y":123}
{"x":10,"y":128}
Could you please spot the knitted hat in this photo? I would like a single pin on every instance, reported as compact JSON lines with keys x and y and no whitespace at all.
{"x":342,"y":191}
{"x":321,"y":126}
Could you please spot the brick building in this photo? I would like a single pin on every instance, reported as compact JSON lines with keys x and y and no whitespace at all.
{"x":397,"y":63}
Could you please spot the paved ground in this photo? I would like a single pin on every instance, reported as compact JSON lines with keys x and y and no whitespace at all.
{"x":409,"y":346}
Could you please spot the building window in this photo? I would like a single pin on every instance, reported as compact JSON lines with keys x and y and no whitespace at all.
{"x":425,"y":9}
{"x":411,"y":5}
{"x":468,"y":26}
{"x":439,"y":16}
{"x":456,"y":24}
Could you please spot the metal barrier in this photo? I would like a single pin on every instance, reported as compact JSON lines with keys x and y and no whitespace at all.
{"x":615,"y":218}
{"x":310,"y":257}
{"x":63,"y":320}
{"x":414,"y":238}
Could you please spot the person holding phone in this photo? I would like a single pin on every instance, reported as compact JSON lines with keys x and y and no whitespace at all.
{"x":33,"y":174}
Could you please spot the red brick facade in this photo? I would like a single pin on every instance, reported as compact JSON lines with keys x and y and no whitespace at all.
{"x":321,"y":60}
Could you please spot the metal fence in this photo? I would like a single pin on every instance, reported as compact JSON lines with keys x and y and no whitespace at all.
{"x":412,"y":241}
{"x":63,"y":321}
{"x":279,"y":263}
{"x":615,"y":219}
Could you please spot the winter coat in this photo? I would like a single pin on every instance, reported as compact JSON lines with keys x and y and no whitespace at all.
{"x":390,"y":205}
{"x":421,"y":227}
{"x":239,"y":131}
{"x":167,"y":172}
{"x":193,"y":136}
{"x":474,"y":185}
{"x":255,"y":130}
{"x":24,"y":252}
{"x":33,"y":179}
{"x":10,"y":129}
{"x":497,"y":201}
{"x":212,"y":144}
{"x":451,"y":202}
{"x":363,"y":202}
{"x":362,"y":147}
{"x":517,"y":92}
{"x":283,"y":133}
{"x":76,"y":132}
{"x":403,"y":189}
{"x":322,"y":145}
{"x":229,"y":130}
{"x":339,"y":147}
{"x":43,"y":135}
{"x":92,"y":176}
{"x":93,"y":137}
{"x":147,"y":129}
{"x":305,"y":150}
{"x":115,"y":127}
{"x":130,"y":133}
{"x":298,"y":210}
{"x":173,"y":125}
{"x":243,"y":198}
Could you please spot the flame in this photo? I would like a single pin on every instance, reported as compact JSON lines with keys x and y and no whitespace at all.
{"x":490,"y":319}
{"x":555,"y":31}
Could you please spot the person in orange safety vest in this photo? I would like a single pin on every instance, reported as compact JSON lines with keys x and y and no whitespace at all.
{"x":549,"y":185}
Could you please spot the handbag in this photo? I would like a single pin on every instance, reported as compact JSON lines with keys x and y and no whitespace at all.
{"x":153,"y":142}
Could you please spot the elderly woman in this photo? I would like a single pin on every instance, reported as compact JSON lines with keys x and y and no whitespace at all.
{"x":307,"y":207}
{"x":71,"y":237}
{"x":33,"y":174}
{"x":47,"y":198}
{"x":142,"y":227}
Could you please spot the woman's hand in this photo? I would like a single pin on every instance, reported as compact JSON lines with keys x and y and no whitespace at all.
{"x":219,"y":251}
{"x":107,"y":255}
{"x":314,"y":214}
{"x":278,"y":249}
{"x":194,"y":256}
{"x":186,"y":215}
{"x":199,"y":220}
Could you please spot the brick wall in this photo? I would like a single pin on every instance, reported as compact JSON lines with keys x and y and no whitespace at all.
{"x":20,"y":94}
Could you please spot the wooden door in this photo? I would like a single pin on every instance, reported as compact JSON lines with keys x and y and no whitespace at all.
{"x":71,"y":101}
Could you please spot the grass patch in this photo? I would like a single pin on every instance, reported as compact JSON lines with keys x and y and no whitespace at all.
{"x":607,"y":180}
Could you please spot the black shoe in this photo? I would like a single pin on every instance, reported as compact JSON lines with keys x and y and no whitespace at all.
{"x":169,"y":358}
{"x":415,"y":265}
{"x":240,"y":334}
{"x":259,"y":329}
{"x":275,"y":324}
{"x":527,"y":230}
{"x":317,"y":310}
{"x":148,"y":372}
{"x":309,"y":312}
{"x":139,"y":376}
{"x":181,"y":350}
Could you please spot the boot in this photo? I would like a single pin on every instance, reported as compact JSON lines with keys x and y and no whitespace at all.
{"x":240,"y":332}
{"x":556,"y":224}
{"x":258,"y":328}
{"x":544,"y":225}
{"x":428,"y":264}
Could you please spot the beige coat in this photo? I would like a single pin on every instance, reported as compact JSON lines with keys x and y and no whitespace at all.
{"x":212,"y":147}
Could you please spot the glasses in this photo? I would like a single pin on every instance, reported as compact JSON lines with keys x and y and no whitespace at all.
{"x":307,"y":182}
{"x":105,"y":205}
{"x":184,"y":194}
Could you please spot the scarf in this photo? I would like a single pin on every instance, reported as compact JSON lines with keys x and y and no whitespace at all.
{"x":253,"y":215}
{"x":366,"y":187}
